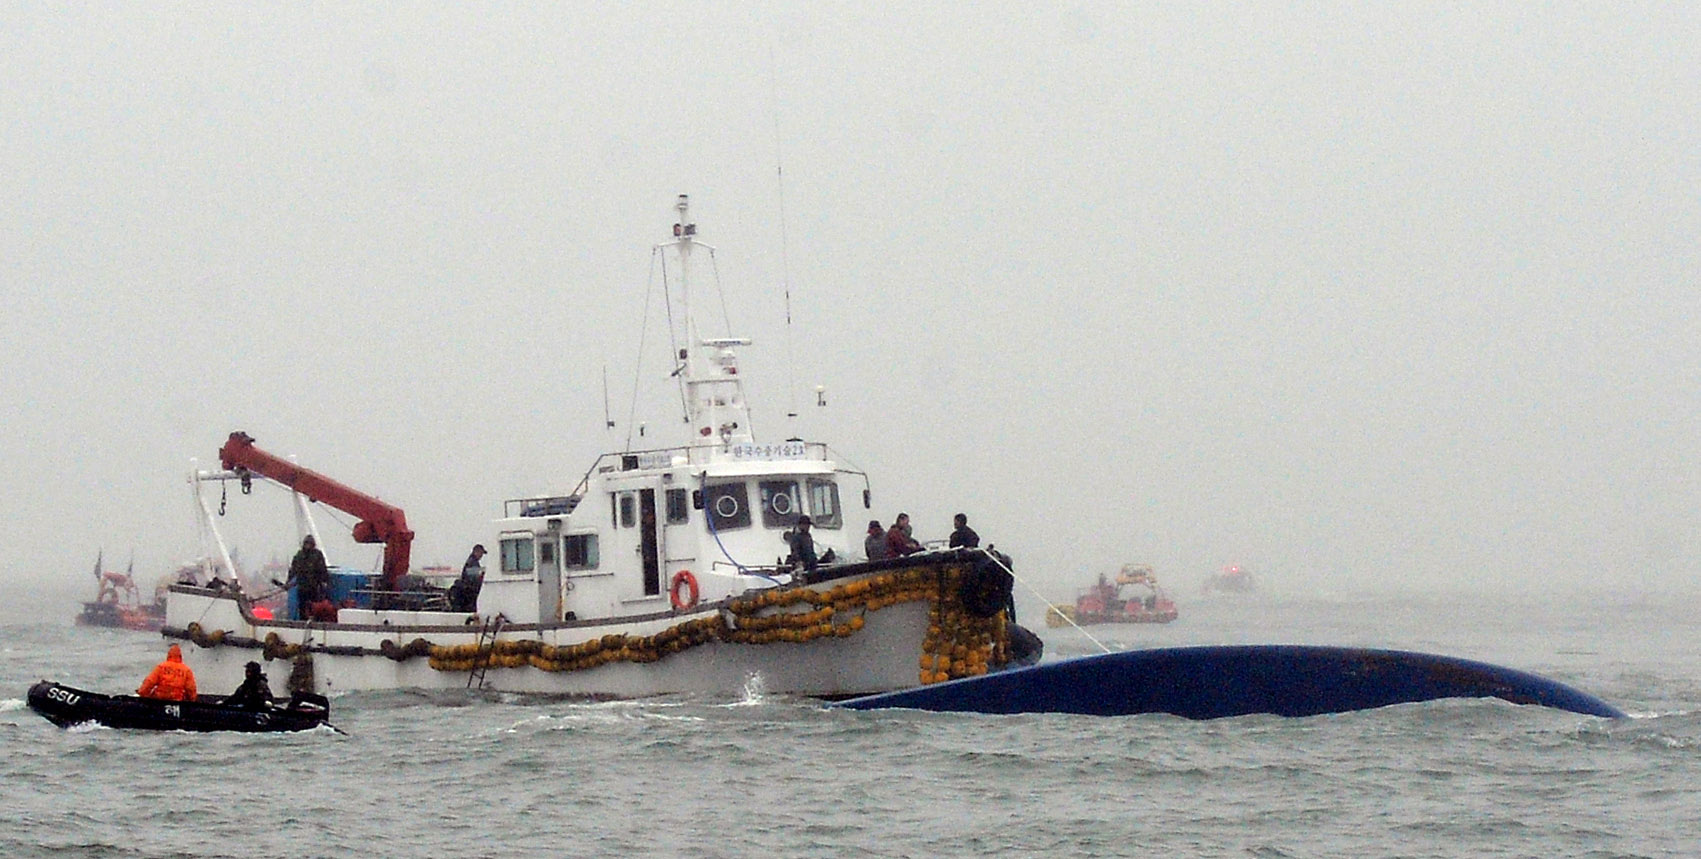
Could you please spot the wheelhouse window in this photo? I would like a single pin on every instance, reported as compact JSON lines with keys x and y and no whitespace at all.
{"x":579,"y":551}
{"x":517,"y":556}
{"x":779,"y":503}
{"x":678,"y":506}
{"x":728,"y":506}
{"x":824,"y":504}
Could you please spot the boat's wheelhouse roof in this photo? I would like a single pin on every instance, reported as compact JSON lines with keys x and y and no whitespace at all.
{"x":613,"y":472}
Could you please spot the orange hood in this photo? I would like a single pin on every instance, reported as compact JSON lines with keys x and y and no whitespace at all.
{"x":174,"y":654}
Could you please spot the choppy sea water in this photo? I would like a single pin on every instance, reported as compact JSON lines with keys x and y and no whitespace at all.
{"x":760,"y":775}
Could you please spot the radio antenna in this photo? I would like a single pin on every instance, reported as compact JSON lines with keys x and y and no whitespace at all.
{"x":785,"y":262}
{"x":607,"y":416}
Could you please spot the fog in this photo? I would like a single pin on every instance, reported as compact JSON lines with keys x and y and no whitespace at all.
{"x":1359,"y":297}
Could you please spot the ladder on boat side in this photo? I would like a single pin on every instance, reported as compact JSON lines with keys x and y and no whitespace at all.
{"x":486,"y":639}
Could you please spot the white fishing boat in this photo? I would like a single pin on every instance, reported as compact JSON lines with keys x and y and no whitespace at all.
{"x":658,"y":571}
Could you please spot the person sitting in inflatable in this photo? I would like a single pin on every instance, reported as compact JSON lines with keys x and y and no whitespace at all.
{"x":170,"y":680}
{"x":254,"y":693}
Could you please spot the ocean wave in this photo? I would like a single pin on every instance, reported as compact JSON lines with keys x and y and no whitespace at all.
{"x":1659,"y":714}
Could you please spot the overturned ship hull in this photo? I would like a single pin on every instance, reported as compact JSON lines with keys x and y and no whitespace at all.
{"x":1222,"y":681}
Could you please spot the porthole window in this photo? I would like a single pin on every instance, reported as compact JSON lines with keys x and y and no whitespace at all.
{"x":727,"y":505}
{"x":780,"y":507}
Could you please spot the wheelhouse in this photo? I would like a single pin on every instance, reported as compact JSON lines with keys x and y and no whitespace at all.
{"x":722,"y":517}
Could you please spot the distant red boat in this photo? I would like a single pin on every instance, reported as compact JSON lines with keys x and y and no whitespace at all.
{"x":1134,"y":597}
{"x":118,"y":604}
{"x":1232,"y":580}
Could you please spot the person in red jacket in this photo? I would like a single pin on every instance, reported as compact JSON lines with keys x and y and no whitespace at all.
{"x":898,"y":538}
{"x":170,"y":680}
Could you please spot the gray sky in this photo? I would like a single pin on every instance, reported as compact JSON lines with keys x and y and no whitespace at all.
{"x":1359,"y":296}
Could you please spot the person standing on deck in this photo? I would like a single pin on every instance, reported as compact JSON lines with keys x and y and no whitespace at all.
{"x":803,"y":545}
{"x":310,"y":576}
{"x":898,"y":539}
{"x":963,"y":536}
{"x":874,"y":545}
{"x":463,"y":596}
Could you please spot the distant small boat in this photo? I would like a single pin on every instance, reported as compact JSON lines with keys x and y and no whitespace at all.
{"x":118,"y":604}
{"x":1232,"y":580}
{"x":1134,"y":597}
{"x":66,"y":706}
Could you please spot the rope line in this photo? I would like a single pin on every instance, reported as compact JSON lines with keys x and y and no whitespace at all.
{"x":1048,"y":604}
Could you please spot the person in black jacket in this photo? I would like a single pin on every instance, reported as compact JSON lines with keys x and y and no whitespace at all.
{"x":312,"y":579}
{"x":803,"y":545}
{"x":254,"y":693}
{"x":964,"y":536}
{"x":463,"y":594}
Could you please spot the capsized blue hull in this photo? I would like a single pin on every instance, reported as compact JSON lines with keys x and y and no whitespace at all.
{"x":1216,"y":682}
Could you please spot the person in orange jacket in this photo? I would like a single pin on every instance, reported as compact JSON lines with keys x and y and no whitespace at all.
{"x":170,"y":680}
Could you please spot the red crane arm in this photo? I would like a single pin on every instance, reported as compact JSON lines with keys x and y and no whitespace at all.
{"x":379,"y":522}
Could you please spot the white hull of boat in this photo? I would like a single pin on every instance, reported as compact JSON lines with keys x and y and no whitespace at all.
{"x":883,"y":653}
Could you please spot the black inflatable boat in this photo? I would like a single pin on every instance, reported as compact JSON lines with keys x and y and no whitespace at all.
{"x":66,"y":706}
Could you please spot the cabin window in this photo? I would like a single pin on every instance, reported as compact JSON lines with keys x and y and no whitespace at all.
{"x":517,"y":556}
{"x":779,"y":503}
{"x":728,"y":505}
{"x":824,"y":504}
{"x":678,"y":507}
{"x":579,"y":551}
{"x":628,"y":510}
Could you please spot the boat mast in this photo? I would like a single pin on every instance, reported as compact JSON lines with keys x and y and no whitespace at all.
{"x":209,"y":529}
{"x":715,"y":405}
